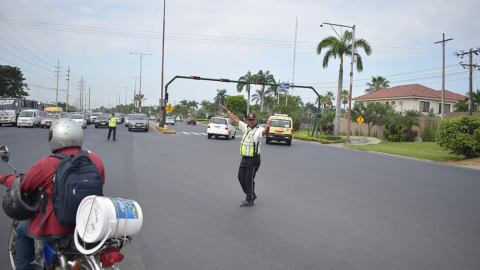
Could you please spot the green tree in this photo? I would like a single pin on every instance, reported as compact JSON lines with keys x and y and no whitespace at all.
{"x":338,"y":47}
{"x":11,"y":82}
{"x":192,"y":106}
{"x":249,"y":77}
{"x":220,"y":97}
{"x":345,"y":98}
{"x":462,"y":105}
{"x":329,"y":98}
{"x":263,"y":78}
{"x":412,"y":118}
{"x":257,"y":97}
{"x":237,"y":104}
{"x":460,"y":136}
{"x":377,"y":83}
{"x":372,"y":113}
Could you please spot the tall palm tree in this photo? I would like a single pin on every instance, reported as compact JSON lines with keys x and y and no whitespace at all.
{"x":192,"y":104}
{"x":329,"y":97}
{"x":377,"y":83}
{"x":338,"y":47}
{"x":249,"y":77}
{"x":184,"y":102}
{"x":345,"y":97}
{"x":221,"y":96}
{"x":262,"y":79}
{"x":257,"y":97}
{"x":138,"y":98}
{"x":310,"y":108}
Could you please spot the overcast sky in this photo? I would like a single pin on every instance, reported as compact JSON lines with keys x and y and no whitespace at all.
{"x":226,"y":39}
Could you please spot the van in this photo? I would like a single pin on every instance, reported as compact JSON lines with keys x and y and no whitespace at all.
{"x":28,"y":118}
{"x":57,"y":110}
{"x":280,"y":129}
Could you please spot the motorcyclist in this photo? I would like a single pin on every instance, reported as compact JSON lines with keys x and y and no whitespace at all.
{"x":65,"y":136}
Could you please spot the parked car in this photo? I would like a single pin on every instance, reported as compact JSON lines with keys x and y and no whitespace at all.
{"x":28,"y":118}
{"x":101,"y":121}
{"x":138,"y":121}
{"x":191,"y":121}
{"x":221,"y":126}
{"x":80,"y":119}
{"x":48,"y":120}
{"x":170,"y":121}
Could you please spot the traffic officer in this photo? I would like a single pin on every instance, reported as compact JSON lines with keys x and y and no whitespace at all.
{"x":250,"y":151}
{"x":112,"y":125}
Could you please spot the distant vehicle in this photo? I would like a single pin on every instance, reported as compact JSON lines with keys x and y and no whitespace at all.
{"x":138,"y":121}
{"x":119,"y":117}
{"x":29,"y":118}
{"x":101,"y":121}
{"x":87,"y":117}
{"x":11,"y":107}
{"x":170,"y":120}
{"x":221,"y":126}
{"x":48,"y":120}
{"x":57,"y":110}
{"x":152,"y":117}
{"x":179,"y":118}
{"x":280,"y":129}
{"x":42,"y":106}
{"x":80,"y":119}
{"x":191,"y":121}
{"x":93,"y":116}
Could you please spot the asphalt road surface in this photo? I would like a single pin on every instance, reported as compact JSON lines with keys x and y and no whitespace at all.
{"x":318,"y":207}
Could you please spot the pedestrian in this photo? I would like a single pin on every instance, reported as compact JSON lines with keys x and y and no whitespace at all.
{"x":250,"y":151}
{"x":112,"y":125}
{"x":66,"y":137}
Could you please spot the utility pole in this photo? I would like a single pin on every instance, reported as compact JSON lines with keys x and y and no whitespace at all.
{"x":471,"y":66}
{"x":442,"y":107}
{"x":58,"y":75}
{"x":140,"y":91}
{"x":162,"y":111}
{"x":81,"y":88}
{"x":89,"y":90}
{"x":68,"y":85}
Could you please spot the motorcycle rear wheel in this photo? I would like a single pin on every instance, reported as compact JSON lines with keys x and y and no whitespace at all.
{"x":11,"y":244}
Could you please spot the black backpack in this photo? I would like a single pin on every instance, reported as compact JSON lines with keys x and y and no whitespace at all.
{"x":76,"y":177}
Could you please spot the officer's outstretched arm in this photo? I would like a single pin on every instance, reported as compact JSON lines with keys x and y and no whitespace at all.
{"x":230,"y":114}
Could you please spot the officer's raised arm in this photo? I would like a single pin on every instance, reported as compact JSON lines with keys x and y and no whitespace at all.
{"x":230,"y":114}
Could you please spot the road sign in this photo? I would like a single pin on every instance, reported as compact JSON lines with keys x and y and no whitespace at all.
{"x":155,"y":107}
{"x":285,"y":86}
{"x":169,"y":108}
{"x":360,"y":119}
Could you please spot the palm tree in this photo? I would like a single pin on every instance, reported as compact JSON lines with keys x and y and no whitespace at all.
{"x":377,"y":83}
{"x":310,"y":108}
{"x":339,"y":48}
{"x":262,"y":79}
{"x":221,"y":96}
{"x":257,"y":97}
{"x":328,"y":98}
{"x":184,"y":102}
{"x":345,"y":97}
{"x":138,"y":100}
{"x":411,"y":118}
{"x":192,"y":104}
{"x":248,"y":78}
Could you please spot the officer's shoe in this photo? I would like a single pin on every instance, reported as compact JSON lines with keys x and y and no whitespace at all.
{"x":246,"y":204}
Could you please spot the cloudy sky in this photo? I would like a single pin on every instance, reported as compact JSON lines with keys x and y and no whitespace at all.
{"x":226,"y":39}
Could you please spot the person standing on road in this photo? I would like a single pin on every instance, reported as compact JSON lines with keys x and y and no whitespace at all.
{"x":250,"y":151}
{"x":112,"y":125}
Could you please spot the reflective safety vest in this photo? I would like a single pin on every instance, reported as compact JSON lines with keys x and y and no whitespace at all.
{"x":248,"y":147}
{"x":112,"y":122}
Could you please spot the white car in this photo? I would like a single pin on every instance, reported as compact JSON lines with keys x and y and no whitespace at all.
{"x":221,"y":126}
{"x":170,"y":120}
{"x":29,"y":118}
{"x":80,"y":119}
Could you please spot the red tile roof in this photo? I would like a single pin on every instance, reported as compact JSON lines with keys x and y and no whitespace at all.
{"x":410,"y":90}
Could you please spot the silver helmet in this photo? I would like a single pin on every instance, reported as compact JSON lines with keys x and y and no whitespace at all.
{"x":65,"y":133}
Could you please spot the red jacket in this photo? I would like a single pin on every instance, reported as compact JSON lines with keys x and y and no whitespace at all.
{"x":41,"y":175}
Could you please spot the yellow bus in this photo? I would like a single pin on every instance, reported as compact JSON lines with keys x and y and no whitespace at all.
{"x":280,"y":129}
{"x":57,"y":110}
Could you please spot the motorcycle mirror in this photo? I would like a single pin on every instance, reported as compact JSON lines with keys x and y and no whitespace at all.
{"x":5,"y":153}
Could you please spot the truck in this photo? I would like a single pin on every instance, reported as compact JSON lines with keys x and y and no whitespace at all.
{"x":280,"y":129}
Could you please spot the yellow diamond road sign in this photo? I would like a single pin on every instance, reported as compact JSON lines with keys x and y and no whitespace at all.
{"x":360,"y":120}
{"x":169,"y":108}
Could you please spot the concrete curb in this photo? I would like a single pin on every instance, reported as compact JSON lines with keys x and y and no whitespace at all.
{"x":163,"y":130}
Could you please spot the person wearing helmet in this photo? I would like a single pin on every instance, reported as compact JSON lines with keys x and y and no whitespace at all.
{"x":65,"y":136}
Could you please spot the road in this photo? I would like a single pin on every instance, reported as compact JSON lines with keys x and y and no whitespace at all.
{"x":318,"y":207}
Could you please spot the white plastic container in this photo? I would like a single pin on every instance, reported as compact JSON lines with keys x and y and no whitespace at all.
{"x":101,"y":218}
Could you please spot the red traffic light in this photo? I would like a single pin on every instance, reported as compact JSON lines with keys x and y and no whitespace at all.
{"x":224,"y":80}
{"x":257,"y":82}
{"x":195,"y":77}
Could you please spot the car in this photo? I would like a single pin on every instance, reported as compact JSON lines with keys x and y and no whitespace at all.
{"x":221,"y":126}
{"x":29,"y":118}
{"x":191,"y":121}
{"x":93,"y":116}
{"x":127,"y":118}
{"x":152,"y":117}
{"x":101,"y":121}
{"x":80,"y":119}
{"x":138,"y":121}
{"x":87,"y":117}
{"x":179,"y":119}
{"x":170,"y":120}
{"x":119,"y":117}
{"x":48,"y":120}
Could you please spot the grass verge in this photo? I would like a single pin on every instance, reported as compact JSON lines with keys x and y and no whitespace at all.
{"x":425,"y":150}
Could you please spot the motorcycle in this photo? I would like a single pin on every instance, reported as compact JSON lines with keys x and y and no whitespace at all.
{"x":69,"y":252}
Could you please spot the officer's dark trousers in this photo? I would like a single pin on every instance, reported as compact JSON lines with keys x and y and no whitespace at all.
{"x":246,"y":176}
{"x":110,"y":132}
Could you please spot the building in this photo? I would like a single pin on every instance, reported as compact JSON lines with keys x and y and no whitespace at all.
{"x":414,"y":97}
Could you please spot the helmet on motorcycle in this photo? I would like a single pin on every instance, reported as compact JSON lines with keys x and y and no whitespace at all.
{"x":65,"y":133}
{"x":18,"y":205}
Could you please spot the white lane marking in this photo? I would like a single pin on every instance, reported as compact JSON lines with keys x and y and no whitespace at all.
{"x":196,"y":133}
{"x":186,"y":133}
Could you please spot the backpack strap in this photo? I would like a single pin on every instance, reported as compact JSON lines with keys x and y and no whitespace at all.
{"x":45,"y":199}
{"x":60,"y":155}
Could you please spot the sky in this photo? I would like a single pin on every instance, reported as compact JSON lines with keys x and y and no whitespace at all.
{"x":226,"y":39}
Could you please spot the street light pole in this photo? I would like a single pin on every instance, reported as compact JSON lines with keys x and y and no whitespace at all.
{"x":351,"y":78}
{"x":140,"y":91}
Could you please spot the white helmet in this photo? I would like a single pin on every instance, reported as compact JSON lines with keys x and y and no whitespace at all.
{"x":65,"y":133}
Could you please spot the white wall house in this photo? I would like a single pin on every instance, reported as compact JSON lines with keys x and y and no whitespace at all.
{"x":414,"y":97}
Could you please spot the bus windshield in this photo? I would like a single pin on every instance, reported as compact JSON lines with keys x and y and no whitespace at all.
{"x":7,"y":104}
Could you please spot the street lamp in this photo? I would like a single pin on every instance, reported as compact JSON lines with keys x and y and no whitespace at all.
{"x":351,"y":75}
{"x":140,"y":92}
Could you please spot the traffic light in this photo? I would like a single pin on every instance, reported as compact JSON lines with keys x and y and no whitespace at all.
{"x":195,"y":77}
{"x":166,"y":97}
{"x":224,"y":80}
{"x":257,"y":82}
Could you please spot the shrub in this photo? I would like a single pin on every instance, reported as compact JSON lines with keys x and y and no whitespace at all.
{"x":410,"y":135}
{"x":429,"y":129}
{"x":296,"y":126}
{"x":460,"y":136}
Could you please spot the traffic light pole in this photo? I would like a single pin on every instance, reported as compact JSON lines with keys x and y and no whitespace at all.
{"x":234,"y":81}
